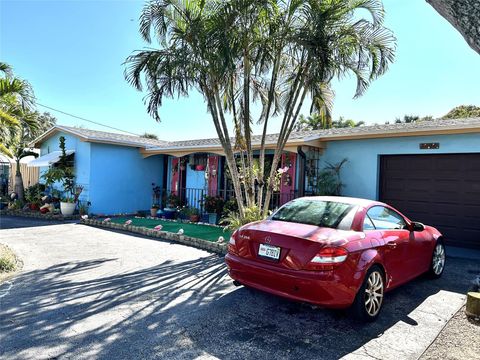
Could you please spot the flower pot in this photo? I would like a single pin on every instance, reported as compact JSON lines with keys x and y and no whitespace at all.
{"x":212,"y":218}
{"x":153,"y":212}
{"x":169,"y":213}
{"x":200,"y":168}
{"x":67,"y":208}
{"x":194,"y":218}
{"x":34,"y":207}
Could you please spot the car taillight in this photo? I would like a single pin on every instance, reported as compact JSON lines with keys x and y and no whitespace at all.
{"x":231,"y":244}
{"x":327,"y":257}
{"x":332,"y":255}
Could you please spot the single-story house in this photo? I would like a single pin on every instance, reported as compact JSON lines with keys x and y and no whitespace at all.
{"x":429,"y":170}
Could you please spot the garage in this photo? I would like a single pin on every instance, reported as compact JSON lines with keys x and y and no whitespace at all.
{"x":442,"y":190}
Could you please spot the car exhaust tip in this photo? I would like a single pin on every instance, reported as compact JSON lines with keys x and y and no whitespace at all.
{"x":236,"y":283}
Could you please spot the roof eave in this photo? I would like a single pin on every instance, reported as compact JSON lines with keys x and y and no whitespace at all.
{"x":391,"y":134}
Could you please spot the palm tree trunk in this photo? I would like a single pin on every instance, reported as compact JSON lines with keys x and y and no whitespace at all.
{"x":18,"y":185}
{"x":280,"y":146}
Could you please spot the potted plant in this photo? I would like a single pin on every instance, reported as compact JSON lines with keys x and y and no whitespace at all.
{"x":67,"y":205}
{"x":173,"y":201}
{"x":64,"y":174}
{"x":83,"y":207}
{"x":184,"y":213}
{"x":33,"y":196}
{"x":200,"y":167}
{"x":154,"y":210}
{"x":194,"y":214}
{"x":213,"y":206}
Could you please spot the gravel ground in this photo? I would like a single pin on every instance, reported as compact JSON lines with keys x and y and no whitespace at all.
{"x":460,"y":339}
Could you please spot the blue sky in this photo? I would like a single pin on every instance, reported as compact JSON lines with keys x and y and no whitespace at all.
{"x":72,"y":53}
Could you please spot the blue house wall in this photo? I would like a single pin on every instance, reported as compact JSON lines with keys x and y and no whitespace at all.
{"x":361,"y":173}
{"x":121,"y":179}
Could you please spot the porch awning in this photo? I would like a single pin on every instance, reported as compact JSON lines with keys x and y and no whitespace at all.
{"x":48,"y":159}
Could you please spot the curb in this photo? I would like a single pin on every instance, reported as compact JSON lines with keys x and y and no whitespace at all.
{"x":38,"y":215}
{"x":219,"y":248}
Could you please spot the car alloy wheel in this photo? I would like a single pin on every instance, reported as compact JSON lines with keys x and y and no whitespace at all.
{"x":374,"y":293}
{"x":438,"y":261}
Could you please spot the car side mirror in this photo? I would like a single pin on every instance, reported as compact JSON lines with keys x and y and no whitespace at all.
{"x":416,"y":226}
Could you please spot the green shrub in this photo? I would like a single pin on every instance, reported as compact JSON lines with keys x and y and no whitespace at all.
{"x":8,"y":261}
{"x":233,"y":221}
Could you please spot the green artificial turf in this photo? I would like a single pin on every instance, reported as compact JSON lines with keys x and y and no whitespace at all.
{"x":205,"y":232}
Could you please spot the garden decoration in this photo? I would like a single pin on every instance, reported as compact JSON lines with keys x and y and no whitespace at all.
{"x":180,"y":232}
{"x":128,"y":222}
{"x":84,"y":217}
{"x":47,"y":205}
{"x":158,"y":227}
{"x":106,"y":220}
{"x":221,"y":240}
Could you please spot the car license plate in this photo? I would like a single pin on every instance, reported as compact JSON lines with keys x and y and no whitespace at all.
{"x":271,"y":252}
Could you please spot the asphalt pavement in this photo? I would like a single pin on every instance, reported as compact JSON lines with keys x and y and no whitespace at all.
{"x":87,"y":293}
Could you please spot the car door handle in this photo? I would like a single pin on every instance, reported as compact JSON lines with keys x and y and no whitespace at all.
{"x":391,"y":244}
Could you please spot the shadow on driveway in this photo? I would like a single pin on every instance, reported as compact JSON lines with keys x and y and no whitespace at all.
{"x":15,"y":222}
{"x":185,"y":310}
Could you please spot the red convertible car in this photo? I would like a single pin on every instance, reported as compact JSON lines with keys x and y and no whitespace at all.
{"x":335,"y":252}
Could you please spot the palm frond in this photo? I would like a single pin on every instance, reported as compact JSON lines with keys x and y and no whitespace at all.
{"x":7,"y":119}
{"x":4,"y":150}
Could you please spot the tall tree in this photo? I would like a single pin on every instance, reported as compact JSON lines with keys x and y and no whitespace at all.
{"x":238,"y":53}
{"x":17,"y":138}
{"x":13,"y":91}
{"x":20,"y":124}
{"x":464,"y":15}
{"x":317,"y":122}
{"x":463,"y":111}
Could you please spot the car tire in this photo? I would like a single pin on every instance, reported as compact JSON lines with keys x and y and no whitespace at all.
{"x":437,"y":264}
{"x":369,"y":299}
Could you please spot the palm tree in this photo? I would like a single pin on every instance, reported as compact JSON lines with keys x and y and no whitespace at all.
{"x":13,"y":91}
{"x":20,"y":124}
{"x":17,"y":139}
{"x":346,"y":123}
{"x":274,"y":53}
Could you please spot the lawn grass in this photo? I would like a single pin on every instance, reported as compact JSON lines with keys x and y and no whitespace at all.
{"x":204,"y":232}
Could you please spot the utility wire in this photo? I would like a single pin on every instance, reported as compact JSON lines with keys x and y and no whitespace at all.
{"x":90,"y":121}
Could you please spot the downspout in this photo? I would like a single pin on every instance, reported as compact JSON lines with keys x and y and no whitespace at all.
{"x":301,"y":171}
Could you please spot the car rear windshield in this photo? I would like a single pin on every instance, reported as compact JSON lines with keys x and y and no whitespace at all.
{"x":315,"y":212}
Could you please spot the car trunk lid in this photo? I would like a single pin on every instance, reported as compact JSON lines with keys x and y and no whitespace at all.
{"x":297,"y":243}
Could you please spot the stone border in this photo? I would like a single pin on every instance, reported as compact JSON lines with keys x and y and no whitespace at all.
{"x":219,"y":248}
{"x":38,"y":215}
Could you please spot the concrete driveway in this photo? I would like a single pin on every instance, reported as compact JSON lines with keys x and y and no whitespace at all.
{"x":91,"y":293}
